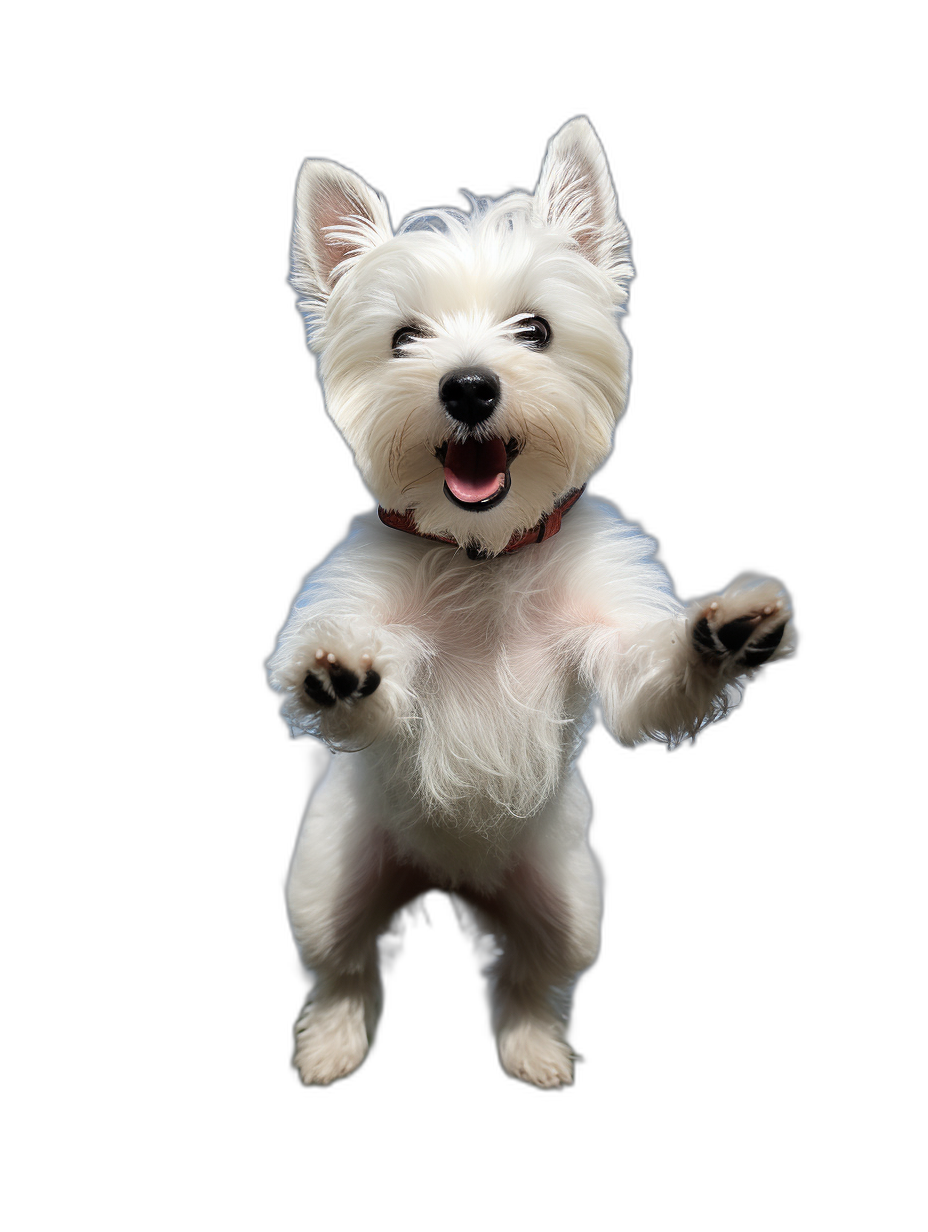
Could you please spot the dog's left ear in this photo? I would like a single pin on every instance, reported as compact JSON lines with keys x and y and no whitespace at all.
{"x":575,"y":194}
{"x":338,"y":217}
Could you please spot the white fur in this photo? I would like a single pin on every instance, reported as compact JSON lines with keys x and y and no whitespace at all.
{"x":458,"y":769}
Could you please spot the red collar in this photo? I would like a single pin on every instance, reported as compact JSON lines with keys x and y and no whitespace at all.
{"x":549,"y":525}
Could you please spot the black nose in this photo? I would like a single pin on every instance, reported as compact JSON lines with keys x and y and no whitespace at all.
{"x":469,"y":395}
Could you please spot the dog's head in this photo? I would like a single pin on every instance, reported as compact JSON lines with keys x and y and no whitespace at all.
{"x":473,"y":362}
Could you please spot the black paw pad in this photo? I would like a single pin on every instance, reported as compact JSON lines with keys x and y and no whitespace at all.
{"x":316,"y":691}
{"x":736,"y":632}
{"x":760,"y":651}
{"x":343,"y":680}
{"x":702,"y":636}
{"x":371,"y":681}
{"x":331,"y":683}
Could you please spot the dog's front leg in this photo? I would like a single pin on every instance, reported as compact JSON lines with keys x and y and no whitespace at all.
{"x":674,"y":675}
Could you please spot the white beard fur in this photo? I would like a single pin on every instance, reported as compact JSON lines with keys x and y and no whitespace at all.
{"x":457,"y":770}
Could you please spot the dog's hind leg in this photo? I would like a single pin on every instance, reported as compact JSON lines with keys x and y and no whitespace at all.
{"x":345,"y":886}
{"x":546,"y":918}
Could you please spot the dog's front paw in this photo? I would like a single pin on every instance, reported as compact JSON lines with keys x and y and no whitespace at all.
{"x":341,"y":683}
{"x":742,"y":628}
{"x":331,"y":679}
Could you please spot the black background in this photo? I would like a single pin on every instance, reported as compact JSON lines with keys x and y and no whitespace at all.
{"x":719,"y":944}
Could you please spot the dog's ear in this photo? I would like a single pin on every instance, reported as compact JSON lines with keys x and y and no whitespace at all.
{"x":575,"y":194}
{"x":338,"y":217}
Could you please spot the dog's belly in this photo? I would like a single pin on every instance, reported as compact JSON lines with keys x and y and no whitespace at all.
{"x":491,"y":742}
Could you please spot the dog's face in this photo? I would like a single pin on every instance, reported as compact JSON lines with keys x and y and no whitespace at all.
{"x":473,"y":363}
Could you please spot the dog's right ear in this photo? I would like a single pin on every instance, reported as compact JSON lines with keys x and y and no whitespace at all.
{"x":338,"y":217}
{"x":575,"y":194}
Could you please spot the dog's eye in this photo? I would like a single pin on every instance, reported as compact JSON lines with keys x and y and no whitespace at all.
{"x":534,"y":332}
{"x":408,"y":333}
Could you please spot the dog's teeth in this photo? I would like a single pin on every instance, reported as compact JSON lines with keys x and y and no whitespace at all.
{"x":320,"y":655}
{"x":767,"y":610}
{"x":331,"y":658}
{"x":714,"y":607}
{"x":366,"y":661}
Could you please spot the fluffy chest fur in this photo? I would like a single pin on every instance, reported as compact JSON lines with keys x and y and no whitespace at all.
{"x":487,"y":666}
{"x":497,"y":701}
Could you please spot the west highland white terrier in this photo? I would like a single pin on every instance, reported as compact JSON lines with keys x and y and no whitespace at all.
{"x":450,"y":650}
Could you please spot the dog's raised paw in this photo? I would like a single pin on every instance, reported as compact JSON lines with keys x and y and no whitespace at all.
{"x":330,"y":681}
{"x":742,"y":628}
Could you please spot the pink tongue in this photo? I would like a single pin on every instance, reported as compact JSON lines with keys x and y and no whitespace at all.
{"x":475,"y":470}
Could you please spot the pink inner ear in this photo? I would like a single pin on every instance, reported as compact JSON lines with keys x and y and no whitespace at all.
{"x":580,"y":200}
{"x":335,"y":209}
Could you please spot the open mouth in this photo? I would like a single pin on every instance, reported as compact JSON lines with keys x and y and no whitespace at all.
{"x":477,"y":472}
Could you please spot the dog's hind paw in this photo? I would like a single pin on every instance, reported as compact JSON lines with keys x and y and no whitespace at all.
{"x":330,"y":680}
{"x":742,"y":628}
{"x":536,"y":1052}
{"x":331,"y":1040}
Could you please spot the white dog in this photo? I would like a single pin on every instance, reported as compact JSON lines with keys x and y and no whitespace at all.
{"x":451,"y":648}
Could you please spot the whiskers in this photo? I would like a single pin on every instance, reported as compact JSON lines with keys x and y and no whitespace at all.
{"x":414,"y":483}
{"x":395,"y":452}
{"x":537,"y":428}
